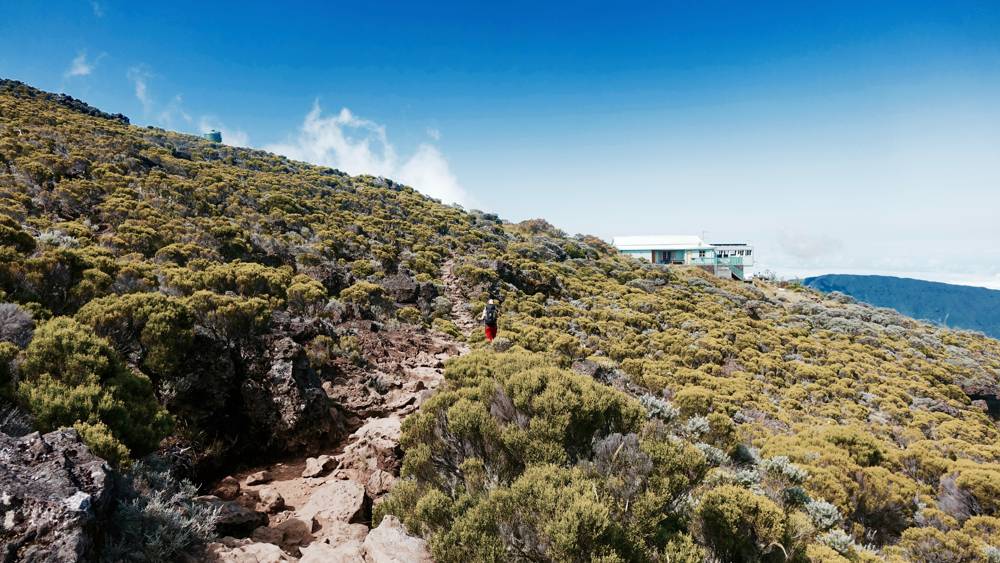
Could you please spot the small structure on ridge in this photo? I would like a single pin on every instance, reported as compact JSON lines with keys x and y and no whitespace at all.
{"x":725,"y":260}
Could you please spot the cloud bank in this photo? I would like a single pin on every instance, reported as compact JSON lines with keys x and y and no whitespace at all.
{"x":359,"y":146}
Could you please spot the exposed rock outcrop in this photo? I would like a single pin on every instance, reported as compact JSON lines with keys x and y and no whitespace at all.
{"x":319,"y":466}
{"x":232,"y":550}
{"x":235,"y":519}
{"x":328,"y":498}
{"x":288,"y":399}
{"x":54,"y":495}
{"x":390,"y":543}
{"x":335,"y":501}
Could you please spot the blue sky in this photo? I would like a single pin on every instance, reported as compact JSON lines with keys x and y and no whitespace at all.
{"x":836,"y":136}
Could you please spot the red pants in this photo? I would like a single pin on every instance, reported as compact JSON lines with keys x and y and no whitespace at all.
{"x":491,"y":332}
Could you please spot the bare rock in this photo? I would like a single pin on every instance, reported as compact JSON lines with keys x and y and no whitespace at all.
{"x":237,"y":520}
{"x":335,"y":532}
{"x":227,"y":489}
{"x":401,"y":288}
{"x":339,"y":501}
{"x":54,"y":496}
{"x":347,"y":552}
{"x":265,"y":534}
{"x":271,"y":500}
{"x":257,"y":478}
{"x":289,"y":534}
{"x":389,"y":543}
{"x":285,"y":399}
{"x":232,"y":550}
{"x":249,"y":498}
{"x":319,"y":466}
{"x":379,"y":483}
{"x":374,"y":447}
{"x":295,"y":531}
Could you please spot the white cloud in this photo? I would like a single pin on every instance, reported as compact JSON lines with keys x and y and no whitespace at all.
{"x":140,"y":76}
{"x":230,"y":136}
{"x":81,"y":66}
{"x":360,"y":146}
{"x":434,"y":133}
{"x":98,"y":8}
{"x":428,"y":171}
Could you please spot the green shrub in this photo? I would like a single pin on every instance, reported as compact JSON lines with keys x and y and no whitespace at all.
{"x":160,"y":326}
{"x":306,"y":295}
{"x":8,"y":352}
{"x":410,"y":315}
{"x":71,"y":376}
{"x":367,"y":299}
{"x":982,"y":482}
{"x":738,"y":524}
{"x":447,"y":327}
{"x":548,"y":514}
{"x":102,"y":442}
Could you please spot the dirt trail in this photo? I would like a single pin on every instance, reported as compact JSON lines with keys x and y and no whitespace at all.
{"x":319,"y":508}
{"x":461,"y":313}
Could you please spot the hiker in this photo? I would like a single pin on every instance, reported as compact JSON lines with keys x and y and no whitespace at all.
{"x":489,"y":318}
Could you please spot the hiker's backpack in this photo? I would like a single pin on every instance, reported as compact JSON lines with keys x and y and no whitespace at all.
{"x":491,"y":315}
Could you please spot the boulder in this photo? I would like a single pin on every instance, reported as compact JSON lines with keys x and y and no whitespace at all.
{"x":235,"y":519}
{"x":319,"y":466}
{"x":257,"y":478}
{"x":427,"y":294}
{"x":379,"y":483}
{"x":339,"y":501}
{"x":288,"y":534}
{"x":285,"y":399}
{"x":373,"y":447}
{"x":347,"y":552}
{"x":271,"y":500}
{"x":232,"y":550}
{"x":265,"y":534}
{"x":401,"y":288}
{"x":336,"y":533}
{"x":390,"y":543}
{"x":227,"y":489}
{"x":295,"y":531}
{"x":261,"y":396}
{"x":54,"y":497}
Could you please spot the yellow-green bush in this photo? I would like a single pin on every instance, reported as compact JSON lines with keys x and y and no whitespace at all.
{"x":738,"y":524}
{"x":71,"y":377}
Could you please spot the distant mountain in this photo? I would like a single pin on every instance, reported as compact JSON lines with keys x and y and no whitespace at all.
{"x":956,"y":306}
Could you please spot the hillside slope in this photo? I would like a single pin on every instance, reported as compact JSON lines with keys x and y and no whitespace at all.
{"x":957,"y":306}
{"x":213,"y":309}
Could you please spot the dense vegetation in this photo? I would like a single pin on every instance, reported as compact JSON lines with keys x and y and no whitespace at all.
{"x":958,"y":306}
{"x":627,"y":413}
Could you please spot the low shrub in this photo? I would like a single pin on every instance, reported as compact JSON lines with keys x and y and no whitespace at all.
{"x":158,"y":518}
{"x":739,"y":525}
{"x":71,"y":376}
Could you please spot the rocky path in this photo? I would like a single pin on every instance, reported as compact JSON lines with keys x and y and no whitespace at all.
{"x":461,"y":313}
{"x":319,"y":508}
